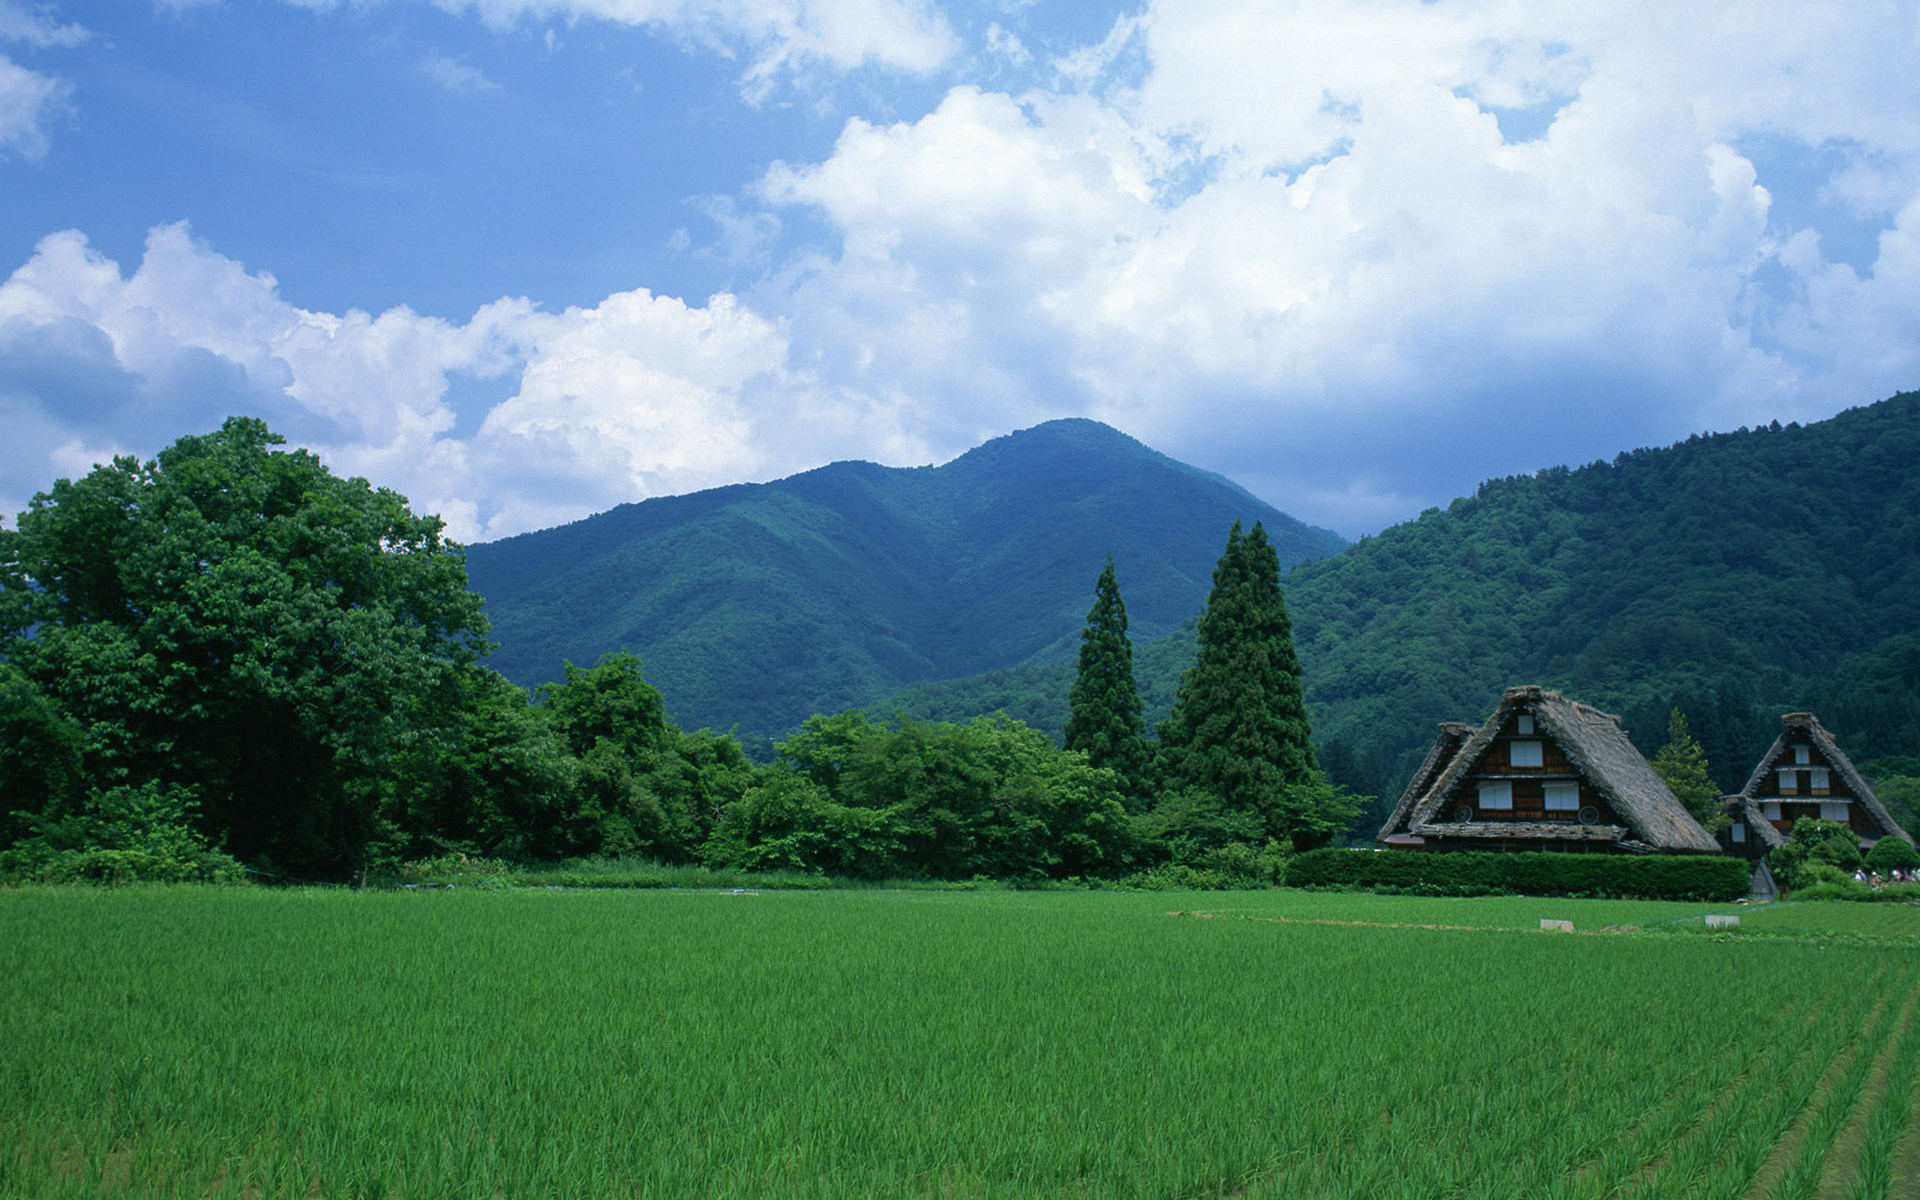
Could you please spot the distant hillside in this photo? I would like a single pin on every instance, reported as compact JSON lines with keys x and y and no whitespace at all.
{"x":759,"y":605}
{"x":1735,"y":575}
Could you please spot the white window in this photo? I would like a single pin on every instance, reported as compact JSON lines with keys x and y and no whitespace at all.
{"x":1833,"y":810}
{"x":1770,"y":809}
{"x":1563,"y":796}
{"x":1524,"y":754}
{"x":1800,"y":755}
{"x":1523,"y":723}
{"x":1819,"y":779}
{"x":1496,"y":795}
{"x":1787,"y":784}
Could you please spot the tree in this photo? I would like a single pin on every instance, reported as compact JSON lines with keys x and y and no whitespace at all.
{"x":1682,"y":763}
{"x":497,"y":780}
{"x":233,"y":622}
{"x":1815,"y":849}
{"x":615,"y":723}
{"x":1106,"y":722}
{"x":41,"y":757}
{"x":1893,"y":853}
{"x":1238,"y":736}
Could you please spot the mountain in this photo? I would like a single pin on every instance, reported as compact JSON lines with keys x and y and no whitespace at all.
{"x":759,"y":605}
{"x":1735,"y":576}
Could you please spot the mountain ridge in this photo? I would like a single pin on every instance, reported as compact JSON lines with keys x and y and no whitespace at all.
{"x":757,"y":605}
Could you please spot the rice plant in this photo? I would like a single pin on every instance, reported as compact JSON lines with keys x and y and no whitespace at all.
{"x":666,"y":1043}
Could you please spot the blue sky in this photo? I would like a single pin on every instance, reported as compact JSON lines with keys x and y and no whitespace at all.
{"x":524,"y":260}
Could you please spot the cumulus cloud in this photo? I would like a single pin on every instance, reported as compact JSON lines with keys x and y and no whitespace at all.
{"x":1447,"y":241}
{"x":1358,"y":254}
{"x":639,"y":395}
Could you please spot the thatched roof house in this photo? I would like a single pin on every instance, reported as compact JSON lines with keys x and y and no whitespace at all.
{"x":1543,"y":773}
{"x":1803,"y":774}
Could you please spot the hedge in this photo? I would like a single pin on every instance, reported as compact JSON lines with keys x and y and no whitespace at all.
{"x":1533,"y":873}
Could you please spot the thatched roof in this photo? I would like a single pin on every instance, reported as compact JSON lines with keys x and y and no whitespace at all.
{"x":1599,"y":751}
{"x":1746,"y":810}
{"x":1837,"y":760}
{"x":1448,"y":738}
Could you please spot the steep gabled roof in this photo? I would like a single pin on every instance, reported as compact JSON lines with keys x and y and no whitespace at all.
{"x":1837,"y":760}
{"x":1747,"y":810}
{"x":1449,"y":736}
{"x":1599,"y":750}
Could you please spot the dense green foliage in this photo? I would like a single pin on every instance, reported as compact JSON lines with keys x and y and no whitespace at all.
{"x":1105,"y":722}
{"x":1893,"y":854}
{"x":1235,"y":753}
{"x":992,"y":798}
{"x":230,"y":652}
{"x":237,"y":627}
{"x":1816,"y":852}
{"x":1477,"y":873}
{"x":758,"y":606}
{"x":1734,"y":577}
{"x":201,"y":1042}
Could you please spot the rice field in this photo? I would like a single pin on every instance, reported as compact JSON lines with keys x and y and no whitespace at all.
{"x":254,"y":1043}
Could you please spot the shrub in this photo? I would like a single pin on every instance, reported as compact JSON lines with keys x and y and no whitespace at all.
{"x":1893,"y":854}
{"x":1534,"y":873}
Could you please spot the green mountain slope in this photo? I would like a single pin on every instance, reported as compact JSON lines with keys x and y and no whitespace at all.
{"x":1736,"y":575}
{"x":760,"y":605}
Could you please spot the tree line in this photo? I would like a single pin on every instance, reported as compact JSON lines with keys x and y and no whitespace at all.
{"x":227,"y":659}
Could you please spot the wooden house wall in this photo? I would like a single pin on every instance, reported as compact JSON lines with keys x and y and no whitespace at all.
{"x":1801,"y":798}
{"x":1529,"y":783}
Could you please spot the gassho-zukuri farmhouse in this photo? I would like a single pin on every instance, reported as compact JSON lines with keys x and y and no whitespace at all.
{"x":1548,"y":773}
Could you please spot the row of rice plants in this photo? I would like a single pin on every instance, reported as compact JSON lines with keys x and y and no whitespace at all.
{"x":189,"y":1043}
{"x":1887,"y":1120}
{"x":1713,"y":1159}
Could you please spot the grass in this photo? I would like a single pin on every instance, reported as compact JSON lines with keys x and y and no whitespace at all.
{"x":193,"y":1042}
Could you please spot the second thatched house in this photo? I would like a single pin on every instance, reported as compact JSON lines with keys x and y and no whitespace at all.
{"x":1543,"y":773}
{"x":1803,"y":774}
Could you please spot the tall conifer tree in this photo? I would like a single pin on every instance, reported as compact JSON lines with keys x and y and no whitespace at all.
{"x":1106,"y":721}
{"x":1238,"y":735}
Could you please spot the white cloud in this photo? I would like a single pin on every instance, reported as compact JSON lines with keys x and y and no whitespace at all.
{"x":1356,"y":253}
{"x":1252,"y":229}
{"x":456,"y":76}
{"x":636,"y":396}
{"x":27,"y":100}
{"x":35,"y":27}
{"x":777,"y":36}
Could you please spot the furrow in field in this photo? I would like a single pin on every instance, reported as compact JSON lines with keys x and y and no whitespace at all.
{"x":1642,"y":1149}
{"x":1792,"y":1169}
{"x":1845,"y":1158}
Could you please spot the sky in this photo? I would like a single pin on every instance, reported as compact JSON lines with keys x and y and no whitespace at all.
{"x":524,"y":260}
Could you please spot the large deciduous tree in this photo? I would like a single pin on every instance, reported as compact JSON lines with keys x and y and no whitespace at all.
{"x":1236,"y":749}
{"x":1106,"y":722}
{"x":234,"y":622}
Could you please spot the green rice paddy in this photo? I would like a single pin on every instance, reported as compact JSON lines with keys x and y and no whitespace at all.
{"x":255,"y":1043}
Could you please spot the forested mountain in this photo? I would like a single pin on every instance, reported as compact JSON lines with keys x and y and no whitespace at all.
{"x":1734,"y":575}
{"x":759,"y":605}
